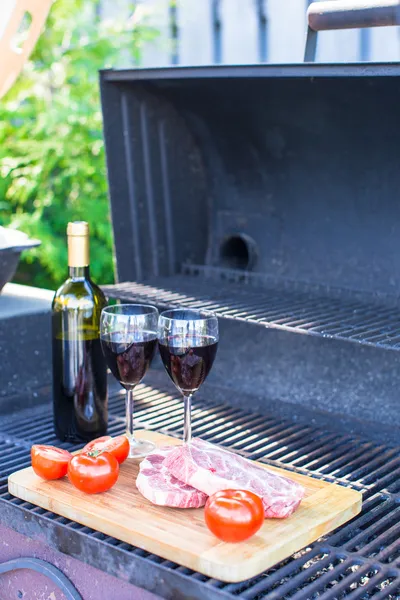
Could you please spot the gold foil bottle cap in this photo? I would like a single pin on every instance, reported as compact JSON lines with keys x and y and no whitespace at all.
{"x":78,"y":228}
{"x":78,"y":244}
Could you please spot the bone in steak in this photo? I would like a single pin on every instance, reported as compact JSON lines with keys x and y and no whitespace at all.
{"x":159,"y":486}
{"x":210,"y":469}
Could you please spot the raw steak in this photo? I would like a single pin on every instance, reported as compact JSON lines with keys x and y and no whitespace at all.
{"x":159,"y":486}
{"x":210,"y":469}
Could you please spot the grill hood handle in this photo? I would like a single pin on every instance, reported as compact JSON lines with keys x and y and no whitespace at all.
{"x":347,"y":14}
{"x":353,"y":14}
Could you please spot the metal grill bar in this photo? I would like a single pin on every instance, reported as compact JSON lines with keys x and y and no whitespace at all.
{"x":351,"y":319}
{"x":361,"y":559}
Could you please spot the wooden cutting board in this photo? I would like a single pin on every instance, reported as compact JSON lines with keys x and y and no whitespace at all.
{"x":180,"y":535}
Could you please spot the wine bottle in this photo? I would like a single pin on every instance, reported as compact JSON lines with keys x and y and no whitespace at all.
{"x":79,"y":370}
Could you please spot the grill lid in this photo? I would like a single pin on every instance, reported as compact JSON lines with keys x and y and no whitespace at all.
{"x":286,"y":171}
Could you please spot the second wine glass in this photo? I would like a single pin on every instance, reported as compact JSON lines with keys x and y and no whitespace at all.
{"x":188,"y":341}
{"x":128,"y":334}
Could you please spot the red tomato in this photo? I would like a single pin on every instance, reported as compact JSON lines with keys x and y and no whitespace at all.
{"x":234,"y":515}
{"x":93,"y":473}
{"x":118,"y":446}
{"x":50,"y":462}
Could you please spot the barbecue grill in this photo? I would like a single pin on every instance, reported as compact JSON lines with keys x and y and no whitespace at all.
{"x":268,"y":194}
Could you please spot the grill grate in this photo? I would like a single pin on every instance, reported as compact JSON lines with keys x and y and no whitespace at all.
{"x":360,"y":560}
{"x":288,"y":306}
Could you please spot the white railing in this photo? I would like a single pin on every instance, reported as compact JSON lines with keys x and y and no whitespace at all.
{"x":244,"y":37}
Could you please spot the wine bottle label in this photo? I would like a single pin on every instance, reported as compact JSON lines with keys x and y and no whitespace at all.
{"x":78,"y":244}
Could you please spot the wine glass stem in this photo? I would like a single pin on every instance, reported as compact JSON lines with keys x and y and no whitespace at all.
{"x":129,"y":417}
{"x":187,"y":418}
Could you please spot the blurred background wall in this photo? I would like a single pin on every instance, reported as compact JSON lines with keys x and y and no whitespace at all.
{"x":196,"y":32}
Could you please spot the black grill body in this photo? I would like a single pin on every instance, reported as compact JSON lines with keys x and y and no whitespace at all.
{"x":286,"y":172}
{"x":268,"y":194}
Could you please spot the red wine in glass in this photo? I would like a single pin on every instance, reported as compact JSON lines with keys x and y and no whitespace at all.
{"x":128,"y":335}
{"x":188,"y":360}
{"x":129,"y":362}
{"x":188,"y":342}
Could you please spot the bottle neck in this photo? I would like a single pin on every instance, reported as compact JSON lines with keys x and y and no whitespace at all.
{"x":78,"y":272}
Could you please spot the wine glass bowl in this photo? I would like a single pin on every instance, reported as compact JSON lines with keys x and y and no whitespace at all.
{"x":188,"y":342}
{"x":128,"y":335}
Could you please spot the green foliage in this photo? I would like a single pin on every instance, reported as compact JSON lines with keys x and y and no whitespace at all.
{"x":52,"y":164}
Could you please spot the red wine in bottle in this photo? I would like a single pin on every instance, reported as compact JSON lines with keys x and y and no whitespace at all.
{"x":79,"y":369}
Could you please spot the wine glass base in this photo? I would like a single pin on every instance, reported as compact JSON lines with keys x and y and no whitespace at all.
{"x":140,"y":448}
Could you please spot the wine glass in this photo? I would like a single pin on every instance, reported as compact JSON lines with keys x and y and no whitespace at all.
{"x":187,"y":341}
{"x":128,"y":334}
